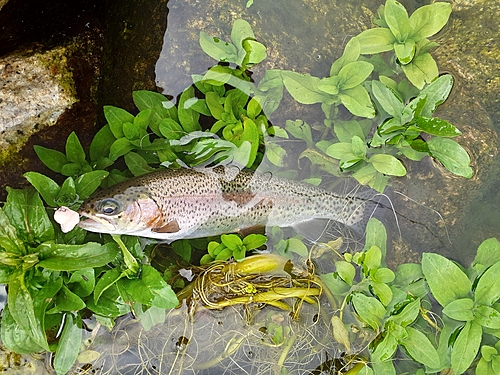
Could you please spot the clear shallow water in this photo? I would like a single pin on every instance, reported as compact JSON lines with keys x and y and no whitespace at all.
{"x":307,"y":37}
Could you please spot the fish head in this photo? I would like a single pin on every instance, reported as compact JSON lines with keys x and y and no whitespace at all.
{"x":120,"y":210}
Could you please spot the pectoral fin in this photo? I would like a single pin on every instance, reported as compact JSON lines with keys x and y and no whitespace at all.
{"x":170,"y":227}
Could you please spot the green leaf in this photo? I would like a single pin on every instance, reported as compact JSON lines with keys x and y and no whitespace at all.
{"x":446,"y":280}
{"x":53,"y":159}
{"x":61,"y":257}
{"x":119,"y":148}
{"x":396,"y":17}
{"x":82,"y":282}
{"x":372,"y":259}
{"x":488,"y":253}
{"x":405,"y":51}
{"x":466,"y":347}
{"x":420,"y":348}
{"x":487,"y":317}
{"x":376,"y":235}
{"x":188,"y":117}
{"x":383,"y":292}
{"x":376,"y":40}
{"x":452,"y":155}
{"x":436,"y":126}
{"x":66,"y":300}
{"x":27,"y":214}
{"x":357,"y":101}
{"x":304,"y":88}
{"x":101,"y":144}
{"x":16,"y":338}
{"x":116,"y":117}
{"x":183,"y":249}
{"x":69,"y":344}
{"x":110,"y":304}
{"x":408,"y":315}
{"x":241,"y":30}
{"x":370,"y":310}
{"x":338,"y":150}
{"x":47,"y":187}
{"x":88,"y":182}
{"x":354,"y":74}
{"x":385,"y":349}
{"x":218,"y":49}
{"x":436,"y":93}
{"x":488,"y":288}
{"x":421,"y":70}
{"x":346,"y":271}
{"x":137,"y":165}
{"x":460,"y":309}
{"x":231,"y":241}
{"x":151,"y":289}
{"x":346,"y":130}
{"x":256,"y":52}
{"x":350,"y":54}
{"x":300,"y":130}
{"x":254,"y":241}
{"x":131,"y":131}
{"x":161,"y":107}
{"x":358,"y":147}
{"x":429,"y":19}
{"x":74,"y":150}
{"x":389,"y":101}
{"x":109,"y":278}
{"x":22,"y":309}
{"x":387,"y":164}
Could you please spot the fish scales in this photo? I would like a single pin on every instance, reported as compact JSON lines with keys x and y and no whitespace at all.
{"x":192,"y":203}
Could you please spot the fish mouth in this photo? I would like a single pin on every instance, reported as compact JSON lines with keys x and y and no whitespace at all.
{"x":96,"y":224}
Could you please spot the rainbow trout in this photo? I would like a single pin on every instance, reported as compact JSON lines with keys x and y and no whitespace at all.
{"x":192,"y":203}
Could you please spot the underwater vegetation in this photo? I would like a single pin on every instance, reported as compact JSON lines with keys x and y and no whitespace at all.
{"x":378,"y":104}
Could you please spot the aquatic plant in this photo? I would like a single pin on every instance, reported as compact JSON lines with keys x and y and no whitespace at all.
{"x":372,"y":120}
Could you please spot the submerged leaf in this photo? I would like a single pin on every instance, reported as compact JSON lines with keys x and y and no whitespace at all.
{"x":452,"y":155}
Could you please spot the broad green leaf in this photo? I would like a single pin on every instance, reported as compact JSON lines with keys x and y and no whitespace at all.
{"x":188,"y":117}
{"x":22,"y":309}
{"x":389,"y":101}
{"x":436,"y":93}
{"x":385,"y":349}
{"x":466,"y":347}
{"x":357,"y":101}
{"x":82,"y":282}
{"x":110,"y":304}
{"x":382,"y":275}
{"x":69,"y":344}
{"x":88,"y":182}
{"x":335,"y":284}
{"x":254,"y":241}
{"x":108,"y":279}
{"x":27,"y":214}
{"x":429,"y":19}
{"x":300,"y":130}
{"x":136,"y":164}
{"x":376,"y":40}
{"x":488,"y":288}
{"x":385,"y":368}
{"x":446,"y":280}
{"x":372,"y":259}
{"x":304,"y":87}
{"x":420,"y":348}
{"x":338,"y":150}
{"x":67,"y":194}
{"x":214,"y":105}
{"x":488,"y":253}
{"x":142,"y":120}
{"x":161,"y":107}
{"x":376,"y":235}
{"x":330,"y":85}
{"x":369,"y":309}
{"x":346,"y":271}
{"x":358,"y":147}
{"x":74,"y":149}
{"x":350,"y":54}
{"x":61,"y":257}
{"x":387,"y":164}
{"x":365,"y":174}
{"x":53,"y":159}
{"x":183,"y":249}
{"x":436,"y":126}
{"x":346,"y":130}
{"x":231,"y":241}
{"x":150,"y":289}
{"x":256,"y":52}
{"x":101,"y":143}
{"x":460,"y":309}
{"x":47,"y":187}
{"x":487,"y":317}
{"x":383,"y":292}
{"x":340,"y":332}
{"x":276,"y":154}
{"x":170,"y":129}
{"x":396,"y":17}
{"x":218,"y":49}
{"x":241,"y":30}
{"x":66,"y":300}
{"x":131,"y":131}
{"x":452,"y":155}
{"x":405,"y":51}
{"x":353,"y":74}
{"x":16,"y":338}
{"x":421,"y":70}
{"x":408,"y":315}
{"x":119,"y":148}
{"x":116,"y":117}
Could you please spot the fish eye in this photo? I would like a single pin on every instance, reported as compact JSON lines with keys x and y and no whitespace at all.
{"x":109,"y":206}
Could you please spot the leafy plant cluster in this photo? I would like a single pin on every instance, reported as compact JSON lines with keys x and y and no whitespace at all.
{"x":460,"y":333}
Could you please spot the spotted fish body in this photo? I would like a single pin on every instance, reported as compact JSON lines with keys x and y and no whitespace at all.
{"x":194,"y":203}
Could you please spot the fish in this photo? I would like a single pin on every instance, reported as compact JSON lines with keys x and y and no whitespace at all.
{"x":186,"y":203}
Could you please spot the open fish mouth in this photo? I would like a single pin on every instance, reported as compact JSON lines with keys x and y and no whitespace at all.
{"x":96,"y":224}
